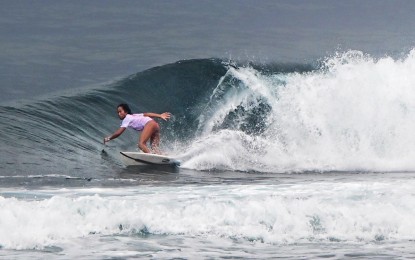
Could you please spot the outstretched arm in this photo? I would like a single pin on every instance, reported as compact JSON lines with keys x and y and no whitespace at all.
{"x":165,"y":115}
{"x":114,"y":135}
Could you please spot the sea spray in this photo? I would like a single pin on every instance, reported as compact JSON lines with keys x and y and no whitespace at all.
{"x":355,"y":113}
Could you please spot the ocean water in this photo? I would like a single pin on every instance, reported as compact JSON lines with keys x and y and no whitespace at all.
{"x":294,"y":130}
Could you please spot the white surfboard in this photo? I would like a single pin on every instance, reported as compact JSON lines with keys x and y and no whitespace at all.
{"x":139,"y":158}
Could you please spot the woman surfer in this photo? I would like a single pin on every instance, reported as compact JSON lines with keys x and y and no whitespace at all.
{"x":140,"y":122}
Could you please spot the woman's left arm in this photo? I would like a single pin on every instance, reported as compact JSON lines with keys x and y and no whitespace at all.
{"x":165,"y":115}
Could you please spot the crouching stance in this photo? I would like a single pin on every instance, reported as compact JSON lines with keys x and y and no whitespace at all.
{"x":150,"y":129}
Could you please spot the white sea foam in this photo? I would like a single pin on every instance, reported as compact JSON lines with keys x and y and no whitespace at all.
{"x":289,"y":213}
{"x":355,"y":113}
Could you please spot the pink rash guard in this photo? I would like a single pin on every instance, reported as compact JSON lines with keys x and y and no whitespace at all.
{"x":135,"y":121}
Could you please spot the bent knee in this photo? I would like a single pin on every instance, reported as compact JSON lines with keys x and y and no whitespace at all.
{"x":153,"y":124}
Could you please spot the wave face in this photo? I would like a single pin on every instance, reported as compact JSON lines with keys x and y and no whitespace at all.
{"x":64,"y":134}
{"x":352,"y":113}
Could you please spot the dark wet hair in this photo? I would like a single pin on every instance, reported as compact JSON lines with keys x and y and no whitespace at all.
{"x":125,"y":107}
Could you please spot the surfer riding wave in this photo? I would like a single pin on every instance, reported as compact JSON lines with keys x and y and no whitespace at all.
{"x":144,"y":122}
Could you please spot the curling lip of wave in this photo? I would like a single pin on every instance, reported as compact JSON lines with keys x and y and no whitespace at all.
{"x":353,"y":114}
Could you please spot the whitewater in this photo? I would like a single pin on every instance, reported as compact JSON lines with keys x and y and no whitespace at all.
{"x":278,"y":160}
{"x":309,"y":214}
{"x":353,"y":114}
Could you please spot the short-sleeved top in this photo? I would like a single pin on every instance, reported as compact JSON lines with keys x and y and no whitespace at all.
{"x":135,"y":121}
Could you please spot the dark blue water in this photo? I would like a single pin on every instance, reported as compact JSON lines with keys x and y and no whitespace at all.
{"x":293,"y":122}
{"x":49,"y":46}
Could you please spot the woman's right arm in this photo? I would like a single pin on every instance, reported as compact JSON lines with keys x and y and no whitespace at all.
{"x":114,"y":135}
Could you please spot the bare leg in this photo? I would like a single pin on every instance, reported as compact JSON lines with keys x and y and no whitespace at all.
{"x":155,"y":142}
{"x":149,"y":129}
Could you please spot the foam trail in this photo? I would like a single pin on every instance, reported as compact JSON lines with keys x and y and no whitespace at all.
{"x":355,"y":113}
{"x":295,"y":213}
